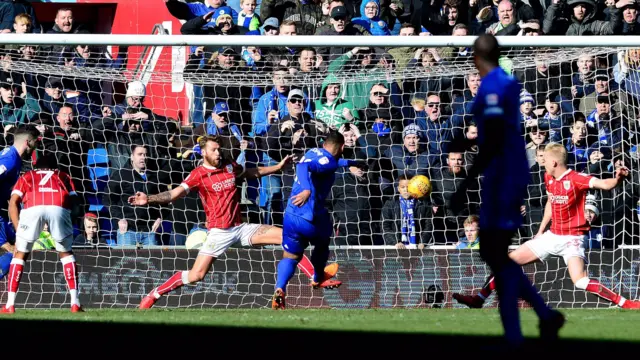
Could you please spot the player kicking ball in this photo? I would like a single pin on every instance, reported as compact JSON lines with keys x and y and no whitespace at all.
{"x":567,"y":192}
{"x":216,"y":181}
{"x":306,"y":220}
{"x":45,"y":195}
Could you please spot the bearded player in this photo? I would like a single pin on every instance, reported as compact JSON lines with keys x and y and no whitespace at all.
{"x":45,"y":196}
{"x":24,"y":142}
{"x":216,"y":181}
{"x":567,"y":192}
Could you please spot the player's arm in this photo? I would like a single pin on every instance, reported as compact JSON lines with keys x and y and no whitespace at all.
{"x":608,"y":184}
{"x":141,"y":199}
{"x":14,"y":209}
{"x":258,"y":172}
{"x":546,"y":218}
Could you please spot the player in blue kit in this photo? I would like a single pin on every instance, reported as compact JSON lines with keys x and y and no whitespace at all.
{"x":306,"y":220}
{"x":24,"y":142}
{"x":503,"y":163}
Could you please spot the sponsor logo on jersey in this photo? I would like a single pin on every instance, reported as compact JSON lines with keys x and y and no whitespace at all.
{"x":566,"y":184}
{"x":492,"y":99}
{"x":223,"y":185}
{"x":559,"y":199}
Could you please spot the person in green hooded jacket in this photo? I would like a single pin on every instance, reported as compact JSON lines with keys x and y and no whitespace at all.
{"x":331,"y":108}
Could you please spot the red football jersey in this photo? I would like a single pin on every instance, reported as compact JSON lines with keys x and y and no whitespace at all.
{"x":567,"y":195}
{"x":44,"y":187}
{"x":218,"y":192}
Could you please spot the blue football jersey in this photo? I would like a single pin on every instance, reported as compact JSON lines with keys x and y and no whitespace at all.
{"x":10,"y":166}
{"x":505,"y":179}
{"x":315,"y":172}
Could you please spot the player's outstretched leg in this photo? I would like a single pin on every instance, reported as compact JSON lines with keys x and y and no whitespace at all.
{"x":198,"y":271}
{"x":5,"y":263}
{"x":71,"y":276}
{"x":477,"y":301}
{"x":581,"y":280}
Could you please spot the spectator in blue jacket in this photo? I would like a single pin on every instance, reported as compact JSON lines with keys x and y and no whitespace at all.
{"x":188,"y":11}
{"x":370,"y":18}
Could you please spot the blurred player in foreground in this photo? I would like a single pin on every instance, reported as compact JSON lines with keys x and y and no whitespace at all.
{"x":45,"y":195}
{"x":567,"y":191}
{"x":306,"y":220}
{"x":24,"y":142}
{"x":216,"y":181}
{"x":503,"y":162}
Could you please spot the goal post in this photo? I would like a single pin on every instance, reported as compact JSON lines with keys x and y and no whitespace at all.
{"x":151,"y":89}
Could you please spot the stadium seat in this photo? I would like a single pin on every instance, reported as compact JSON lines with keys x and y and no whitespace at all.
{"x":98,"y":165}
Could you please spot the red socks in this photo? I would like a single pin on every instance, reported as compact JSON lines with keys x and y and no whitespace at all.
{"x":306,"y":267}
{"x":177,"y":280}
{"x":488,"y":288}
{"x":595,"y":287}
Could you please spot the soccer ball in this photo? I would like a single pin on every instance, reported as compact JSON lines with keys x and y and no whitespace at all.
{"x":196,"y":239}
{"x":419,"y":186}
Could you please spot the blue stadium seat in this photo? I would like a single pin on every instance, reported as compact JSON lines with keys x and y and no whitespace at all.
{"x":98,"y":165}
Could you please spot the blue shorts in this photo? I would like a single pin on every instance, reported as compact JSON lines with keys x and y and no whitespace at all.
{"x":7,"y":232}
{"x":298,"y":233}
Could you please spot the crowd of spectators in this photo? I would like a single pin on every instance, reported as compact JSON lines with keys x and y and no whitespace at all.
{"x":396,"y":112}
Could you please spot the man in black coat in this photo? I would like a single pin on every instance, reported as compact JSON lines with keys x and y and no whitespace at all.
{"x":136,"y":225}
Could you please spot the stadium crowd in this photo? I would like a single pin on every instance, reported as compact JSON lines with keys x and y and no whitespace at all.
{"x":405,"y":111}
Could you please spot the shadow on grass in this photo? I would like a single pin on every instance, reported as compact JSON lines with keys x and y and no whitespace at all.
{"x":123,"y":340}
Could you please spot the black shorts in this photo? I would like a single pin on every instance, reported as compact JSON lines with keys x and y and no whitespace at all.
{"x":494,"y":246}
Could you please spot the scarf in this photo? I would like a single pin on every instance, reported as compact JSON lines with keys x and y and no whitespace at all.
{"x":408,"y":223}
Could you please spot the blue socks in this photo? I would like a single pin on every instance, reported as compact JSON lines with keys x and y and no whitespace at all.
{"x":319,"y":257}
{"x":286,"y":269}
{"x":5,"y":262}
{"x":508,"y":284}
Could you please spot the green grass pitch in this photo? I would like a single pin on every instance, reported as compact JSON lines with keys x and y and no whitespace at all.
{"x":604,"y":324}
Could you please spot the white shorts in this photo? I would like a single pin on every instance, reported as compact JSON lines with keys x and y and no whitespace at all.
{"x":219,"y":240}
{"x":31,"y":223}
{"x":549,"y":244}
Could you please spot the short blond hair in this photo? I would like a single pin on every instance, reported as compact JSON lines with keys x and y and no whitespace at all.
{"x":472,"y":219}
{"x":23,"y":19}
{"x":557,"y":151}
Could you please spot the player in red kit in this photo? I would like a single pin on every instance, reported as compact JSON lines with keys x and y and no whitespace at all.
{"x":216,"y":181}
{"x":567,"y":192}
{"x":45,"y":195}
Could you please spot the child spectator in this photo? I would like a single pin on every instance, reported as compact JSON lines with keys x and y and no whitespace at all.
{"x":247,"y":18}
{"x":90,"y":229}
{"x":370,"y":18}
{"x":22,"y":24}
{"x":598,"y":233}
{"x":471,"y":229}
{"x":527,"y":103}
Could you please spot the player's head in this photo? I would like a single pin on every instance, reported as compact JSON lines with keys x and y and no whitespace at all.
{"x":25,"y":140}
{"x":403,"y":186}
{"x":555,"y":159}
{"x":471,"y":227}
{"x":46,"y":161}
{"x":334,"y":143}
{"x":211,"y":151}
{"x":486,"y":53}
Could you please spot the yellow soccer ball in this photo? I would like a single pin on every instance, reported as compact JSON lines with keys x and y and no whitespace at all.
{"x":419,"y":186}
